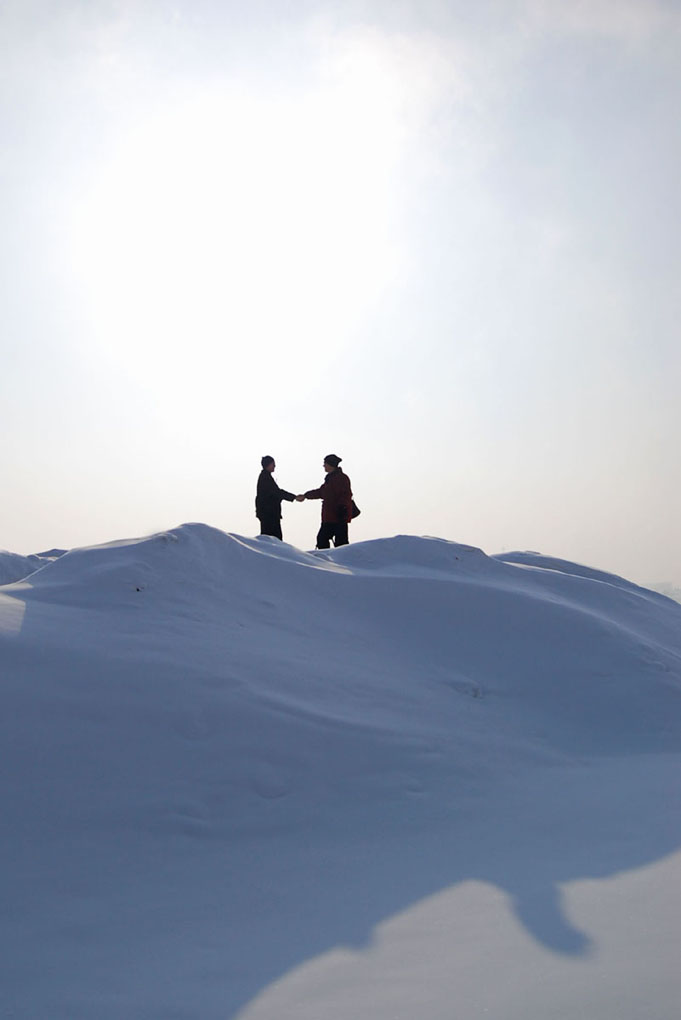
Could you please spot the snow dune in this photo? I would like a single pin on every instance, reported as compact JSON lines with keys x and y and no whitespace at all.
{"x":398,"y":779}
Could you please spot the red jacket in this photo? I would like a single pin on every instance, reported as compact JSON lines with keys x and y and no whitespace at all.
{"x":336,"y":496}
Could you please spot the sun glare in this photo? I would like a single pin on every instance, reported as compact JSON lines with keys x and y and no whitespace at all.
{"x":232,"y":226}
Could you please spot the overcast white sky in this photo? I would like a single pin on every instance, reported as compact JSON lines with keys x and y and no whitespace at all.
{"x":438,"y":238}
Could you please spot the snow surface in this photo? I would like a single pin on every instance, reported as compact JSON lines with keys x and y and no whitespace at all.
{"x":14,"y":567}
{"x":401,"y":779}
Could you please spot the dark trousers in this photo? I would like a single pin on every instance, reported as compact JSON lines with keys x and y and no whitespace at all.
{"x":332,"y":530}
{"x":271,"y":526}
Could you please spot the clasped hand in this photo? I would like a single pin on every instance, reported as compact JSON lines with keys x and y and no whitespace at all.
{"x":300,"y":498}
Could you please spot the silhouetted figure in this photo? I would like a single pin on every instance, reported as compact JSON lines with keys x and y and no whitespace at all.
{"x":268,"y":500}
{"x":336,"y":496}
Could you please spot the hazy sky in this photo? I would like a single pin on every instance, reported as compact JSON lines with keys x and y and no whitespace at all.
{"x":438,"y":238}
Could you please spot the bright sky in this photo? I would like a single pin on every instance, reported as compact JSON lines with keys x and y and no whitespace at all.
{"x":440,"y":239}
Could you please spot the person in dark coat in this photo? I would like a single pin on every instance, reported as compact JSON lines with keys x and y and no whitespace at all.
{"x":268,"y":500}
{"x":336,"y":497}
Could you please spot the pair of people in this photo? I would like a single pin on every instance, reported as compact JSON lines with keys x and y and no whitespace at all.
{"x":335,"y":494}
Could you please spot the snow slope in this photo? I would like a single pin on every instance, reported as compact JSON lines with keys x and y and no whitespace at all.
{"x":14,"y":567}
{"x":399,"y":779}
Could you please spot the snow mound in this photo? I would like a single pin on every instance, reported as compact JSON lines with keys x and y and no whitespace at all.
{"x":411,"y":556}
{"x":14,"y":567}
{"x":594,"y":662}
{"x":192,"y":556}
{"x":225,"y":757}
{"x":535,"y":559}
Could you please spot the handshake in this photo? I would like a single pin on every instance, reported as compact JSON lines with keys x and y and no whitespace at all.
{"x":300,"y":499}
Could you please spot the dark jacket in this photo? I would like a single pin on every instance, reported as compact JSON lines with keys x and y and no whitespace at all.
{"x":269,"y":496}
{"x":336,"y":496}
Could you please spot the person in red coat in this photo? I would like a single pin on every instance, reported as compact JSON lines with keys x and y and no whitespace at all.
{"x":336,"y":497}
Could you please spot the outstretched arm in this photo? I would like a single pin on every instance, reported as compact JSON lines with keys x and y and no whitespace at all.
{"x":315,"y":493}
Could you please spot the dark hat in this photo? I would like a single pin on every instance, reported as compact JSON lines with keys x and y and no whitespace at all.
{"x":332,"y":459}
{"x":267,"y":460}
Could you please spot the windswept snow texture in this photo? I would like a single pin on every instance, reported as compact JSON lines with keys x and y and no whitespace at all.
{"x":401,"y":779}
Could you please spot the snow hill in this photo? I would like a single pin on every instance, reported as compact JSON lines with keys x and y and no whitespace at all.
{"x":14,"y":567}
{"x":401,"y":779}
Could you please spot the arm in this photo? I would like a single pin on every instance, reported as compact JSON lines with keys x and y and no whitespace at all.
{"x":274,"y":492}
{"x":260,"y":494}
{"x":346,"y":489}
{"x":344,"y":492}
{"x":262,"y":486}
{"x":315,"y":493}
{"x":281,"y":493}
